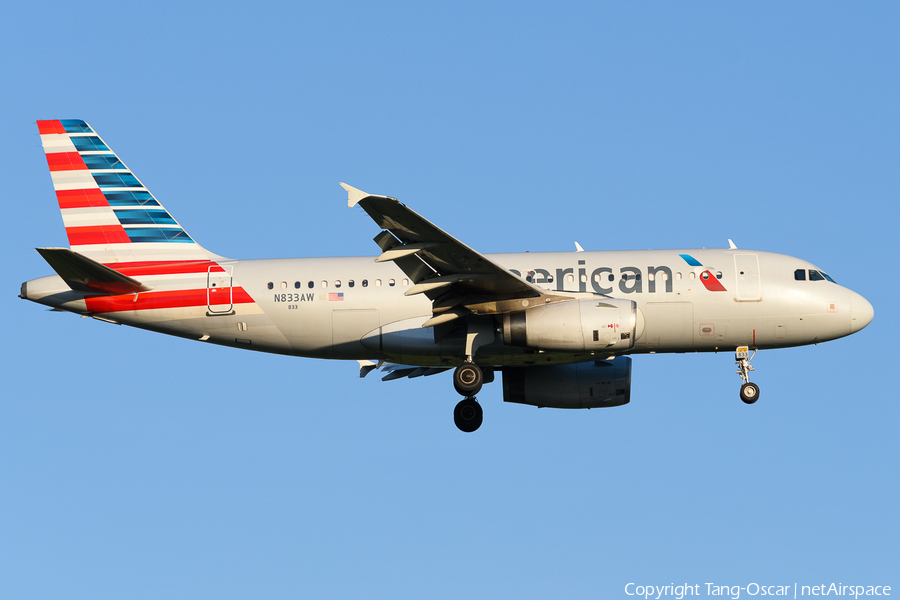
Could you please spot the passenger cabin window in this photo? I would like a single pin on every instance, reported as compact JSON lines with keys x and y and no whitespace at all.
{"x":719,"y":275}
{"x":570,"y":278}
{"x":815,"y":275}
{"x":324,"y":284}
{"x":311,"y":284}
{"x":377,"y":283}
{"x":678,"y":276}
{"x":270,"y":285}
{"x":296,"y":285}
{"x":284,"y":285}
{"x":691,"y":275}
{"x":391,"y":282}
{"x":350,"y":283}
{"x":800,"y":274}
{"x":365,"y":283}
{"x":337,"y":283}
{"x":405,"y":282}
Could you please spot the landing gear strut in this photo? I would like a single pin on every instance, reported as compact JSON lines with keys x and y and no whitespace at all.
{"x":468,"y":415}
{"x":749,"y":391}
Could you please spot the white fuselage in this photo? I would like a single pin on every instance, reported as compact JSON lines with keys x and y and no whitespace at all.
{"x":355,"y":308}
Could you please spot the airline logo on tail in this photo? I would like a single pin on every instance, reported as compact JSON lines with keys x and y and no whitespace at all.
{"x":707,"y":278}
{"x":127,"y":252}
{"x":101,"y":200}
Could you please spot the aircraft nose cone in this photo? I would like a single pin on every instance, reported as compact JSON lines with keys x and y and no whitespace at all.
{"x":861,"y":312}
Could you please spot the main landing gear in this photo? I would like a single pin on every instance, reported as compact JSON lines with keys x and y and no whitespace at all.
{"x":749,"y":391}
{"x":468,"y":379}
{"x":468,"y":415}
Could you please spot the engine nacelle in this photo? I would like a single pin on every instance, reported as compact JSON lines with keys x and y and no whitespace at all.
{"x":603,"y":325}
{"x":582,"y":385}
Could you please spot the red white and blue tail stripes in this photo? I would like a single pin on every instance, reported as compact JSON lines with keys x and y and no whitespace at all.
{"x":111,"y":218}
{"x":108,"y":213}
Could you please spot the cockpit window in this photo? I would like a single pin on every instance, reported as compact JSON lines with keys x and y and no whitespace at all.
{"x":815,"y":275}
{"x":828,"y":277}
{"x":800,"y":274}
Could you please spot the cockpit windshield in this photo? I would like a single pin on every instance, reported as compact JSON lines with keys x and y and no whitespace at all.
{"x":814,"y":275}
{"x":820,"y":276}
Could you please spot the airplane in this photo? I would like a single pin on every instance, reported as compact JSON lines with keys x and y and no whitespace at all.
{"x":559,"y":326}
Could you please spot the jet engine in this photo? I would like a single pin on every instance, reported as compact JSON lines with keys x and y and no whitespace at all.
{"x":582,"y":385}
{"x":604,"y":325}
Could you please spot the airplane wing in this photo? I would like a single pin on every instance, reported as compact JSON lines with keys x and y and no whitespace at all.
{"x":457,"y":279}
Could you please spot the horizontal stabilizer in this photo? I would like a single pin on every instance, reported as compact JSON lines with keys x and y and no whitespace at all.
{"x":85,"y":275}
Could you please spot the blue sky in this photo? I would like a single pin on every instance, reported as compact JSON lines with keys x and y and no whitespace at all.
{"x":138,"y":466}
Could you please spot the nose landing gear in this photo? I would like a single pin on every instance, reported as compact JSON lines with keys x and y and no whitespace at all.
{"x":749,"y":391}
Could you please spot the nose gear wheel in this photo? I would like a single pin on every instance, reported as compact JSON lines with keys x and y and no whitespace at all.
{"x":749,"y":393}
{"x":742,"y":358}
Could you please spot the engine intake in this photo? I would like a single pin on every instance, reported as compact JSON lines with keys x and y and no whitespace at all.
{"x":582,"y":385}
{"x":607,"y":324}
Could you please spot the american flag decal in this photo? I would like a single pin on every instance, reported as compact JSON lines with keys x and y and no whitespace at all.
{"x":336,"y":297}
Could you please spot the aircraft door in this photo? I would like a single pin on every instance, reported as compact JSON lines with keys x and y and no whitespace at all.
{"x":746,"y":272}
{"x":219,"y":297}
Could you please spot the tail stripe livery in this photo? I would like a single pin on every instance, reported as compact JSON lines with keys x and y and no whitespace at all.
{"x":108,"y":213}
{"x":113,"y":220}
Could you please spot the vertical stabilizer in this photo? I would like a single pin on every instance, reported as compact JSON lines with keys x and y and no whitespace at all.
{"x":109,"y":215}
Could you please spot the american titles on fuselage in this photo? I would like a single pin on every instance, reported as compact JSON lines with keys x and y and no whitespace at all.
{"x":631,"y":281}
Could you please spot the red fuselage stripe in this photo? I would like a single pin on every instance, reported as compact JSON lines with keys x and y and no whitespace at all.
{"x":169,"y":299}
